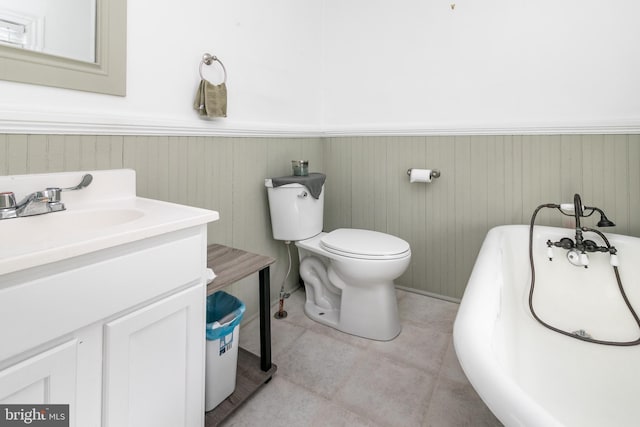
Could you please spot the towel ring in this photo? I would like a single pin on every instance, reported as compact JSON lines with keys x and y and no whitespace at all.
{"x":208,"y":59}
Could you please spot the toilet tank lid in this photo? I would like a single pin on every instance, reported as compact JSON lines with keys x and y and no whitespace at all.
{"x":364,"y":242}
{"x":314,"y":182}
{"x":269,"y":184}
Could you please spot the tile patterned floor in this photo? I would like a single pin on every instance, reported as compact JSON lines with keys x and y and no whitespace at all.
{"x":328,"y":378}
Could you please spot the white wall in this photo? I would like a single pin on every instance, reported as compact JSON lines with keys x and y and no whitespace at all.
{"x":269,"y":49}
{"x":363,"y":66}
{"x":484,"y":65}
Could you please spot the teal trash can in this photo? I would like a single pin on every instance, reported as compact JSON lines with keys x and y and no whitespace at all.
{"x":224,"y":313}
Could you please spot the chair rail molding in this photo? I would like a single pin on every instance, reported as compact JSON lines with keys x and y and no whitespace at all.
{"x":33,"y":122}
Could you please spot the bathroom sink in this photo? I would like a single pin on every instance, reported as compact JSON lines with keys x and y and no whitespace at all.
{"x":31,"y":236}
{"x":94,"y":219}
{"x":60,"y":225}
{"x":105,"y":214}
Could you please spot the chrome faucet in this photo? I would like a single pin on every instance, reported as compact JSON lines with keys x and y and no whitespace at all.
{"x":38,"y":202}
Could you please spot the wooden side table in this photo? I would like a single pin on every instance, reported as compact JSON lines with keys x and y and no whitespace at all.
{"x":230,"y":265}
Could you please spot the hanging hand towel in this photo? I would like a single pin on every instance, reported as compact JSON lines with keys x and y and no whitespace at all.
{"x":211,"y":100}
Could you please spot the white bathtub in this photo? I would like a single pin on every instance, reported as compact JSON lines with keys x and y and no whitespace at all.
{"x":529,"y":375}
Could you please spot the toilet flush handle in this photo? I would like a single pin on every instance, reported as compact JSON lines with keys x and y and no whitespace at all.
{"x":303,"y":195}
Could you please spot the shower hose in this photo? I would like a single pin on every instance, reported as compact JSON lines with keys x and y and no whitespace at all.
{"x":615,"y":270}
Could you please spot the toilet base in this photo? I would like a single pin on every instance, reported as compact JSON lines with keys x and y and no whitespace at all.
{"x":385,"y":328}
{"x":352,"y":295}
{"x":322,"y":315}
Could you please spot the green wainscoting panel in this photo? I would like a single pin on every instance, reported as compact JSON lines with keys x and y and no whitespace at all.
{"x":486,"y":181}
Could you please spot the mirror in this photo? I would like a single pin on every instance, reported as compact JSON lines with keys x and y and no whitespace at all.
{"x":64,"y":28}
{"x":89,"y":55}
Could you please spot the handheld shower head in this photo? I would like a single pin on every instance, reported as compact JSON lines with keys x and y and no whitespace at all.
{"x":604,"y":221}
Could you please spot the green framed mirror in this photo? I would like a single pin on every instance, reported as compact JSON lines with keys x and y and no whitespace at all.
{"x":106,"y":75}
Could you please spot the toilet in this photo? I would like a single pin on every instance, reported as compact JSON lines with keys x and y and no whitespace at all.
{"x":348,"y":273}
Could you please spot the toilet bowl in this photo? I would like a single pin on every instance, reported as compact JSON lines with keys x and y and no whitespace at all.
{"x":348,"y":276}
{"x":348,"y":273}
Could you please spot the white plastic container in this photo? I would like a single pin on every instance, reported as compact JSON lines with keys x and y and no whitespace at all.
{"x":224,"y":313}
{"x":221,"y":369}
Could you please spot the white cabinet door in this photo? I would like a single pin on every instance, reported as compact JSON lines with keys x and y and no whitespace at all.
{"x":154,"y":364}
{"x":47,"y":377}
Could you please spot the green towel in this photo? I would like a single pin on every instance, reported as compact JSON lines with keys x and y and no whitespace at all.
{"x":211,"y":100}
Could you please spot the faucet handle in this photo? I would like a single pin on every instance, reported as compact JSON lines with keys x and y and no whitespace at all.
{"x":584,"y":259}
{"x":49,"y":195}
{"x":7,"y":200}
{"x":86,"y":180}
{"x":550,"y":250}
{"x":53,"y":194}
{"x":614,"y":260}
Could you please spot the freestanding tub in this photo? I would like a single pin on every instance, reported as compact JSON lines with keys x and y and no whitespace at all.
{"x":529,"y":375}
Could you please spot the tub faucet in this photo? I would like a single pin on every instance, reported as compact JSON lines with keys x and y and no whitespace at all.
{"x":577,"y":210}
{"x":38,"y":202}
{"x":577,"y":250}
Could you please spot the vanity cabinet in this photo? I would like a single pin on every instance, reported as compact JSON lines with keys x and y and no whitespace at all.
{"x":102,"y":305}
{"x":152,"y":375}
{"x":118,"y":334}
{"x":49,"y":375}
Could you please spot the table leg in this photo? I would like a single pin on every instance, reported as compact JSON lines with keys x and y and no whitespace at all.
{"x":265,"y":319}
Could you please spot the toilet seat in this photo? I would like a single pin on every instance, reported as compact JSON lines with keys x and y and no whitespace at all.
{"x":364,"y":244}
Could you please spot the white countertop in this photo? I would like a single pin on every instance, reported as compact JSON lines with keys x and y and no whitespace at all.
{"x":105,"y":214}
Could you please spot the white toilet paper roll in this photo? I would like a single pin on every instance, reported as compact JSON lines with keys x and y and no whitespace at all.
{"x":420,"y":175}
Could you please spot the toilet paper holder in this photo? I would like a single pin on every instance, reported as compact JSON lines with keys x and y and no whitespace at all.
{"x":435,"y":173}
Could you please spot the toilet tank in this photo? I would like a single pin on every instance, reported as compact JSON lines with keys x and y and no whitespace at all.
{"x":295,"y":213}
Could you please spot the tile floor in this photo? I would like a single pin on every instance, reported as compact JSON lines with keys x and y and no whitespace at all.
{"x":328,"y":378}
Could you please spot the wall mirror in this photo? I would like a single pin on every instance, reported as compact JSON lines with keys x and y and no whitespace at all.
{"x":72,"y":44}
